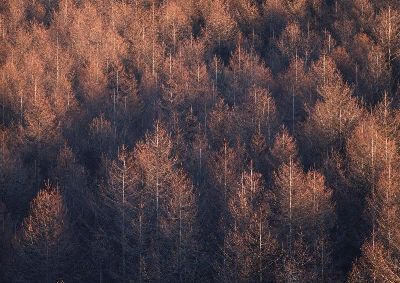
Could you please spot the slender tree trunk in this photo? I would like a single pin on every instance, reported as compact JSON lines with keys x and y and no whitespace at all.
{"x":180,"y":235}
{"x":373,"y":200}
{"x":21,"y":108}
{"x":290,"y":206}
{"x":57,"y":63}
{"x":123,"y":224}
{"x":260,"y":257}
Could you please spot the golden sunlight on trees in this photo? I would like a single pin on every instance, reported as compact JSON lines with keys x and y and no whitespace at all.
{"x":199,"y":141}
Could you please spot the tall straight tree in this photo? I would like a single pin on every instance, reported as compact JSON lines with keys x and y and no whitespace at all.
{"x":380,"y":252}
{"x":331,"y":120}
{"x":44,"y":243}
{"x":118,"y":193}
{"x":305,"y":215}
{"x":249,"y":245}
{"x":169,"y":202}
{"x":380,"y":257}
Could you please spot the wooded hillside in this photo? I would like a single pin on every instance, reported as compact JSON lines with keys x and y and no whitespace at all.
{"x":199,"y":141}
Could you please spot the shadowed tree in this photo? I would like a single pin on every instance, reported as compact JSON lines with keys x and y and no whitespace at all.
{"x":169,"y":205}
{"x":380,"y":252}
{"x":118,"y":195}
{"x":250,"y":249}
{"x":304,"y":217}
{"x":44,"y":246}
{"x":331,"y":121}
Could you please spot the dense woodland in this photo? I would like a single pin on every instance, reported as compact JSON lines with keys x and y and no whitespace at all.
{"x":199,"y":141}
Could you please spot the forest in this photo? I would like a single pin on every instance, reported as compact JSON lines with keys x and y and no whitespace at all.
{"x":200,"y":141}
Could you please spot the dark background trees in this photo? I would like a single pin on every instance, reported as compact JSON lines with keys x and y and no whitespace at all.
{"x":180,"y":141}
